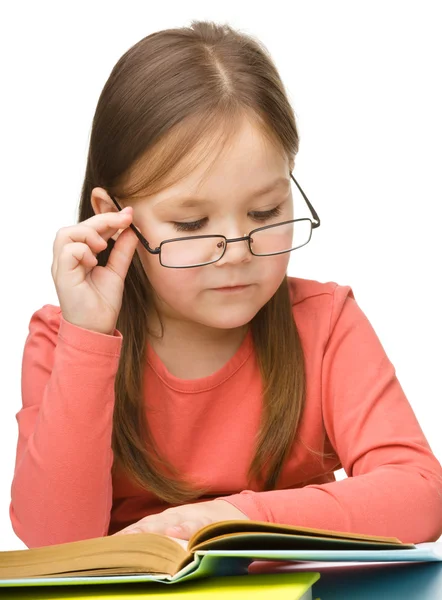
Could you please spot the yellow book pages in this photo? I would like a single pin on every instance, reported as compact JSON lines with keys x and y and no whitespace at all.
{"x":119,"y":555}
{"x":225,"y":529}
{"x":286,"y":586}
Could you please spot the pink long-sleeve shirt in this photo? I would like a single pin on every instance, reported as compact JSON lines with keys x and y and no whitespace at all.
{"x":355,"y":410}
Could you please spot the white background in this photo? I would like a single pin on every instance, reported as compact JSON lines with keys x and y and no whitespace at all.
{"x":364,"y":81}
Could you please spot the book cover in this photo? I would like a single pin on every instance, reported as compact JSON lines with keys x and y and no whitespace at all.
{"x":292,"y":586}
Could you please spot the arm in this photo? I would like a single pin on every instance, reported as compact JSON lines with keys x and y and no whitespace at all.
{"x":62,"y":487}
{"x":394,"y":486}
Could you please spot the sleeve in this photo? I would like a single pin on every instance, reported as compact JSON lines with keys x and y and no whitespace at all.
{"x":62,"y":488}
{"x":394,"y":484}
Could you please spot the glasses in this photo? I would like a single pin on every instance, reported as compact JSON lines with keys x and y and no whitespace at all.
{"x":201,"y":250}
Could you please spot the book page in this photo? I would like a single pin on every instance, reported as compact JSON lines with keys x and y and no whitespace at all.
{"x":183,"y":543}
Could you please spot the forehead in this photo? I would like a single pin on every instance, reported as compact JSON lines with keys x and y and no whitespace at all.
{"x":247,"y":163}
{"x":192,"y":200}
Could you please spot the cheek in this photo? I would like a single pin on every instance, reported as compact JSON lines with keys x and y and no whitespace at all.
{"x":168,"y":283}
{"x":272,"y":270}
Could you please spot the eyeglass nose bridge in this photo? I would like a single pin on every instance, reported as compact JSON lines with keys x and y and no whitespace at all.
{"x":246,"y":238}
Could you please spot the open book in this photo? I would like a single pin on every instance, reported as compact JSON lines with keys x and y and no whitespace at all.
{"x":163,"y":557}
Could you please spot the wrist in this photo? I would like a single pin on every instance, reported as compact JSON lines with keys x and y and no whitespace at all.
{"x":230,"y":511}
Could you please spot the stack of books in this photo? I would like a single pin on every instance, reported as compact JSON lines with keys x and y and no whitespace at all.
{"x":214,"y":563}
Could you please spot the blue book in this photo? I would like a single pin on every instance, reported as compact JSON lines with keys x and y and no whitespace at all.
{"x":400,"y":581}
{"x":369,"y":580}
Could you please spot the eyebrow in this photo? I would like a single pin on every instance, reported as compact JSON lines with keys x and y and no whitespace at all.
{"x":192,"y":200}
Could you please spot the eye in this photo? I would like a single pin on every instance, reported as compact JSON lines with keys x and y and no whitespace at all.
{"x":191,"y":226}
{"x":267,"y":214}
{"x":255,"y":215}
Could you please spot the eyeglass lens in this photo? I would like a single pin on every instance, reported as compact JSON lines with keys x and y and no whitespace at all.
{"x":275,"y":239}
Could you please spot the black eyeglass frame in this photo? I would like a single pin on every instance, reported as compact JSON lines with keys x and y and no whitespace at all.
{"x":315,"y":224}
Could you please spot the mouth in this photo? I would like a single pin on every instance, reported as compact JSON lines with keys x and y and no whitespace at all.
{"x":232,"y":288}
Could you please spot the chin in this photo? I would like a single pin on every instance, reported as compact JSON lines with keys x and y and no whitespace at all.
{"x":228,"y":319}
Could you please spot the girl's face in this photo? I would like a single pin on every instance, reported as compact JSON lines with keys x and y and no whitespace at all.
{"x":228,"y":203}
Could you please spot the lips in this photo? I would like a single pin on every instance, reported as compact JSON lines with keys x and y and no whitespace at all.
{"x":228,"y":287}
{"x":232,"y":290}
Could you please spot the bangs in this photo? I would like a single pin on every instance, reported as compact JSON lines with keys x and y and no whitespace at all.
{"x":184,"y":148}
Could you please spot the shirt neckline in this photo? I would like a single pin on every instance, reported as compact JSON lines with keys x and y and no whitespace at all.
{"x":201,"y":384}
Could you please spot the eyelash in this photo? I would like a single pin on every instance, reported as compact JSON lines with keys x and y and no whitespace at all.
{"x":258,"y":216}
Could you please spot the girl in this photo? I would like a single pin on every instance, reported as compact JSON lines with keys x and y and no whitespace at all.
{"x":184,"y":378}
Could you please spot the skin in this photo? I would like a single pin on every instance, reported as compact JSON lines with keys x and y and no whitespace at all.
{"x":203,"y":327}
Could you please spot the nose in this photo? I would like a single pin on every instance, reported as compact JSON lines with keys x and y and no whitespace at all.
{"x":236,"y":252}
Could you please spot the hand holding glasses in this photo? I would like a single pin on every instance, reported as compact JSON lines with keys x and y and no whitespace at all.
{"x":90,"y":295}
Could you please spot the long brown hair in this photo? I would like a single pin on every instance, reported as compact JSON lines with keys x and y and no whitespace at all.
{"x":180,"y":93}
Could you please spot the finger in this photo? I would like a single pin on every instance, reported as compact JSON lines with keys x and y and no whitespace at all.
{"x":146,"y":528}
{"x":86,"y":236}
{"x":74,"y":255}
{"x":152,"y":524}
{"x":92,"y":231}
{"x":103,"y":222}
{"x":184,"y":530}
{"x":122,"y":253}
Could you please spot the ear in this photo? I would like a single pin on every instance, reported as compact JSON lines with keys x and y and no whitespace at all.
{"x":101,"y":203}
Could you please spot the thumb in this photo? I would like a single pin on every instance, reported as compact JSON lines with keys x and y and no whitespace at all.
{"x":122,"y":253}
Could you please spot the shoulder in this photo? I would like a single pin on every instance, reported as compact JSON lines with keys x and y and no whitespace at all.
{"x":318,"y":305}
{"x":307,"y":289}
{"x":316,"y":293}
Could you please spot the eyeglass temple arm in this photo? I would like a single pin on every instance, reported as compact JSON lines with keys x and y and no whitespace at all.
{"x":139,"y":235}
{"x":314,"y":213}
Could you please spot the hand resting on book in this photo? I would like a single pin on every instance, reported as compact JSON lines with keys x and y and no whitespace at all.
{"x":183,"y":521}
